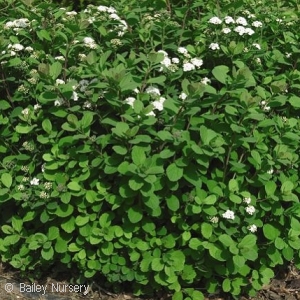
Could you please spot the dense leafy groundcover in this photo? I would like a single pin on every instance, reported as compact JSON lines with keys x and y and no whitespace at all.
{"x":151,"y":143}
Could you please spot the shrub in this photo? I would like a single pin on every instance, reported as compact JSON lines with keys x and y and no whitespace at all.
{"x":156,"y":147}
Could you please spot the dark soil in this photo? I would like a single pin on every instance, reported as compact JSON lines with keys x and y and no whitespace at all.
{"x":285,"y":286}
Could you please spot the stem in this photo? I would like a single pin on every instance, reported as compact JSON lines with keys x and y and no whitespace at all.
{"x":6,"y":86}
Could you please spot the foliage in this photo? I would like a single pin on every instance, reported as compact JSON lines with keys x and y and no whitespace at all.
{"x":158,"y":146}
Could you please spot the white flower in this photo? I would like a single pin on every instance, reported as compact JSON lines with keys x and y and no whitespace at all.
{"x":83,"y":85}
{"x":17,"y":47}
{"x":74,"y":96}
{"x":252,"y":228}
{"x":71,"y":13}
{"x":258,"y":60}
{"x":175,"y":60}
{"x":267,"y":108}
{"x":214,"y":219}
{"x":247,"y":200}
{"x":87,"y":104}
{"x":214,"y":46}
{"x":130,"y":101}
{"x":29,"y":49}
{"x":183,"y":96}
{"x":188,"y":67}
{"x":34,"y":181}
{"x":102,"y":8}
{"x":151,"y":113}
{"x":249,"y":31}
{"x":241,"y":21}
{"x":205,"y":80}
{"x":12,"y":53}
{"x":163,"y":52}
{"x":89,"y":42}
{"x":197,"y":62}
{"x":166,"y":62}
{"x":229,"y":20}
{"x":61,"y":58}
{"x":154,"y":92}
{"x":36,"y":107}
{"x":257,"y":24}
{"x":279,"y":20}
{"x":271,"y":171}
{"x":111,"y":10}
{"x":91,"y":20}
{"x":240,"y":30}
{"x":257,"y":46}
{"x":226,"y":30}
{"x":59,"y":81}
{"x":215,"y":20}
{"x":21,"y":187}
{"x":229,"y":214}
{"x":136,"y":90}
{"x":158,"y":105}
{"x":114,"y":17}
{"x":43,"y":168}
{"x":26,"y":111}
{"x":288,"y":55}
{"x":182,"y":50}
{"x":250,"y":209}
{"x":58,"y":102}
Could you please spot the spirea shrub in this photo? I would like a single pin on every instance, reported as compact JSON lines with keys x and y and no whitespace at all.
{"x":157,"y":148}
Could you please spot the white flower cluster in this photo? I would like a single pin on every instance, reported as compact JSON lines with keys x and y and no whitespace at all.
{"x":18,"y":23}
{"x":154,"y":94}
{"x":241,"y":28}
{"x":90,"y":43}
{"x":112,"y":14}
{"x":264,"y":105}
{"x":228,"y":214}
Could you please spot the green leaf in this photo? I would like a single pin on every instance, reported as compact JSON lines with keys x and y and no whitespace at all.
{"x":226,"y":240}
{"x":271,"y":232}
{"x":287,"y":187}
{"x":207,"y":134}
{"x":220,"y":73}
{"x":47,"y":254}
{"x":270,"y":188}
{"x":134,"y":214}
{"x":152,"y":202}
{"x":24,"y":128}
{"x":91,"y":196}
{"x":6,"y":179}
{"x":233,"y":185}
{"x":226,"y":285}
{"x":157,"y":264}
{"x":53,"y":233}
{"x":174,"y":173}
{"x":138,"y":155}
{"x":81,"y":220}
{"x":206,"y":230}
{"x":248,"y":241}
{"x":47,"y":126}
{"x":55,"y":70}
{"x":239,"y":261}
{"x":136,"y":183}
{"x":295,"y":101}
{"x":210,"y":200}
{"x":159,"y":80}
{"x":177,"y":296}
{"x":120,"y":150}
{"x":87,"y":119}
{"x":74,"y":186}
{"x":17,"y":223}
{"x":43,"y":34}
{"x":173,"y":203}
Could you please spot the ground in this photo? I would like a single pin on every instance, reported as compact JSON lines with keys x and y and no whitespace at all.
{"x":285,"y":286}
